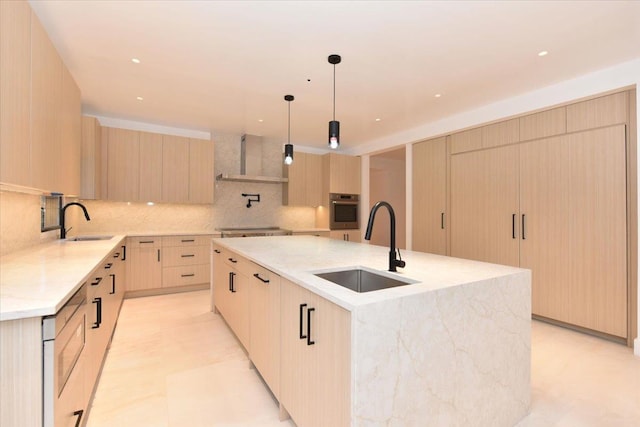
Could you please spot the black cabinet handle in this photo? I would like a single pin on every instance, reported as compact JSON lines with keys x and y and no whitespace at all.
{"x":113,"y":284}
{"x":233,"y":260}
{"x":187,"y":256}
{"x":513,"y":226}
{"x":97,"y":282}
{"x":302,"y":306}
{"x":78,"y":414}
{"x":187,"y":240}
{"x":257,"y":276}
{"x":232,"y":285}
{"x":108,"y":265}
{"x":187,"y":275}
{"x":216,"y":251}
{"x":523,"y":236}
{"x":442,"y":220}
{"x":309,"y":342}
{"x":158,"y":255}
{"x":124,"y":252}
{"x":116,"y":254}
{"x":98,"y":302}
{"x":146,"y":241}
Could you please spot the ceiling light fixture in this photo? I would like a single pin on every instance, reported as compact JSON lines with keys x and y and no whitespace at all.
{"x":135,"y":60}
{"x":334,"y":126}
{"x":288,"y":148}
{"x":438,"y":95}
{"x":377,"y":120}
{"x":543,"y":53}
{"x":139,"y":98}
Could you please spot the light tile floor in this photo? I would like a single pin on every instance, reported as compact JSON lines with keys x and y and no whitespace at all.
{"x":174,"y":363}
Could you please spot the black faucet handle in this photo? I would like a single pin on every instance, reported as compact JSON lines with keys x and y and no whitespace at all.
{"x":400,"y":263}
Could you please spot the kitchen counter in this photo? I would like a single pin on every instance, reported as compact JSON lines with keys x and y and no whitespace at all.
{"x":453,"y":348}
{"x":37,"y":281}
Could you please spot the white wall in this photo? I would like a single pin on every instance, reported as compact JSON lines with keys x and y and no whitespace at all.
{"x":623,"y":75}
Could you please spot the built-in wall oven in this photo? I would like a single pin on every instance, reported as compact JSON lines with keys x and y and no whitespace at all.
{"x":344,"y":211}
{"x":63,"y":342}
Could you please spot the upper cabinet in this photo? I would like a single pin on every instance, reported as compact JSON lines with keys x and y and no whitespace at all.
{"x":15,"y":87}
{"x":305,"y":184}
{"x":604,"y":111}
{"x":91,"y":155}
{"x":41,"y":108}
{"x":150,"y":167}
{"x":341,"y":173}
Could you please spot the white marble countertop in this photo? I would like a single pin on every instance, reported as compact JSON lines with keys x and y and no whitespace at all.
{"x":38,"y":280}
{"x":296,"y":258}
{"x":156,"y":233}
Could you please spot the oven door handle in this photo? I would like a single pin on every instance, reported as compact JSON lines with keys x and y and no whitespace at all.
{"x":336,"y":202}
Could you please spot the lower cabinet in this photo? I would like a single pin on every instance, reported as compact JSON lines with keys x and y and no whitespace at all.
{"x":346,"y":235}
{"x":158,"y":262}
{"x":298,"y":341}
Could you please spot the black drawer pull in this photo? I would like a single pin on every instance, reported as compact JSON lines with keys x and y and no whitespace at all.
{"x":187,"y":275}
{"x":78,"y":414}
{"x":257,"y":276}
{"x":233,"y":260}
{"x":97,"y":282}
{"x":302,"y":306}
{"x":116,"y":254}
{"x":108,"y":265}
{"x":523,"y":236}
{"x":513,"y":226}
{"x":216,"y":251}
{"x":98,"y":302}
{"x":187,"y":240}
{"x":113,"y":284}
{"x":187,"y":256}
{"x":442,"y":220}
{"x":309,"y":342}
{"x":146,"y":241}
{"x":232,"y":285}
{"x":124,"y":252}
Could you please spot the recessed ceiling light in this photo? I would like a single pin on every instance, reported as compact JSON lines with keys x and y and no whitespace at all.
{"x":135,"y":60}
{"x":260,"y":120}
{"x":139,"y":98}
{"x":377,"y":120}
{"x":438,"y":95}
{"x":543,"y":53}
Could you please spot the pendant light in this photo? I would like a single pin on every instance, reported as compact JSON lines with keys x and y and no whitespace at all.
{"x":288,"y":147}
{"x":334,"y":126}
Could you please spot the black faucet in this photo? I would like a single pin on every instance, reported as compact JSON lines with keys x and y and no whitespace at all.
{"x":393,"y":262}
{"x":63,"y":231}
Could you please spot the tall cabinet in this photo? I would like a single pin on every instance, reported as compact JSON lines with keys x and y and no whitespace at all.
{"x":550,"y":195}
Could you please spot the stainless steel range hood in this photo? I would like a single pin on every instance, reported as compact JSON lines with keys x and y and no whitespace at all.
{"x":251,"y":163}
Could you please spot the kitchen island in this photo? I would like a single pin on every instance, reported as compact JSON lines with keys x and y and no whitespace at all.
{"x":451,"y":348}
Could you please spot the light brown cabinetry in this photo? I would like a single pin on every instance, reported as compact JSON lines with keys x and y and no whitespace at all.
{"x":185,"y":260}
{"x":556,"y":206}
{"x":150,"y":167}
{"x":201,"y":172}
{"x":429,"y":196}
{"x":305,"y":181}
{"x":315,"y":353}
{"x":91,"y":159}
{"x":341,"y":174}
{"x":15,"y":87}
{"x":603,"y":111}
{"x":264,"y":324}
{"x":144,"y":267}
{"x":123,"y":158}
{"x":231,"y":294}
{"x":175,"y":169}
{"x":346,"y":235}
{"x":70,"y":154}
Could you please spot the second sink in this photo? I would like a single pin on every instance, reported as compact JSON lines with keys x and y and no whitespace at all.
{"x":87,"y":238}
{"x":361,"y":280}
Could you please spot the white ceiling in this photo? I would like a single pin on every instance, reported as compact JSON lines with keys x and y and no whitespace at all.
{"x":225,"y":65}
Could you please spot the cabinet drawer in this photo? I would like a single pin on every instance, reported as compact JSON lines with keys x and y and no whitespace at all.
{"x":237,"y":262}
{"x":146,"y":242}
{"x":186,"y":240}
{"x":259,"y":274}
{"x":177,"y":256}
{"x":185,"y":275}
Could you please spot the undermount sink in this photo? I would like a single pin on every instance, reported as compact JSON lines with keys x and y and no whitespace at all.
{"x":87,"y":238}
{"x":363,"y":280}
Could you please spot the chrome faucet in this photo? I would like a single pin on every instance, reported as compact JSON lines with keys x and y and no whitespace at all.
{"x":63,"y":231}
{"x":393,"y":262}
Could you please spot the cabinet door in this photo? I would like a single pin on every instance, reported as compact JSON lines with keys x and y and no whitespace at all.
{"x":346,"y":235}
{"x":70,"y":157}
{"x":315,"y":370}
{"x":175,"y":169}
{"x":574,"y":204}
{"x":484,"y":205}
{"x":237,"y":316}
{"x":313,"y":178}
{"x":123,"y":157}
{"x":344,"y":174}
{"x":264,"y":318}
{"x":429,"y":196}
{"x":219,"y":280}
{"x":201,"y":173}
{"x":15,"y":87}
{"x":46,"y":103}
{"x":150,"y":170}
{"x":91,"y":167}
{"x":145,"y":268}
{"x":294,"y":191}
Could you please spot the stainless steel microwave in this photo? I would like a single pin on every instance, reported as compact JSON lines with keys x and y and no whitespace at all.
{"x":344,"y":213}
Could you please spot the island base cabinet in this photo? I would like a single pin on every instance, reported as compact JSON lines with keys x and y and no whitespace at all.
{"x":315,"y":379}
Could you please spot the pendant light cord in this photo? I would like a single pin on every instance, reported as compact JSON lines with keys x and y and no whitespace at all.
{"x":334,"y":92}
{"x":289,"y":125}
